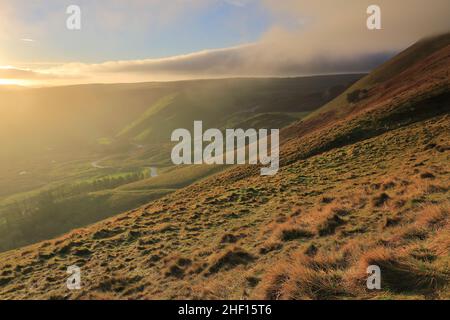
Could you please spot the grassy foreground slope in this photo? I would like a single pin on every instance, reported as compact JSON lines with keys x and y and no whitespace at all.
{"x":363,"y":184}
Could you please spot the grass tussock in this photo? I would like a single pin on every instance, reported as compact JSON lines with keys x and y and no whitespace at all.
{"x":303,"y":277}
{"x":401,"y":273}
{"x":229,"y":259}
{"x":326,"y":220}
{"x":380,"y":199}
{"x":270,"y":246}
{"x":433,"y":216}
{"x":288,"y":233}
{"x":441,"y":243}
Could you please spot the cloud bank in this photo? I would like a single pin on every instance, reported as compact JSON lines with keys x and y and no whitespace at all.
{"x":307,"y":37}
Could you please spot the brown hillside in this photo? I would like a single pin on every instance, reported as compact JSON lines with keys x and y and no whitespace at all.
{"x":362,"y":182}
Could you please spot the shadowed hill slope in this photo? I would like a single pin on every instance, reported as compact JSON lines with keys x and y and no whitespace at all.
{"x":361,"y":183}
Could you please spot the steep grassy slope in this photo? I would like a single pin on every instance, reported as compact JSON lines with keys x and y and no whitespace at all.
{"x":390,"y":75}
{"x":362,"y":184}
{"x":309,"y":232}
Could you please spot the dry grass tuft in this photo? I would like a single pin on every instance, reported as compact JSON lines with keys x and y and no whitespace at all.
{"x":441,"y":243}
{"x":288,"y":233}
{"x":380,"y":200}
{"x":303,"y":277}
{"x":270,"y":246}
{"x":401,"y":273}
{"x":229,"y":259}
{"x":433,"y":216}
{"x":329,"y":219}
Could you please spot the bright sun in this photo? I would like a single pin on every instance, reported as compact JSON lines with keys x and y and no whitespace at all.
{"x":12,"y":82}
{"x":8,"y":82}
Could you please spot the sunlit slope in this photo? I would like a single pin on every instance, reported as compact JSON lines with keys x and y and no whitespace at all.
{"x":317,"y":225}
{"x":367,"y":184}
{"x":390,"y":73}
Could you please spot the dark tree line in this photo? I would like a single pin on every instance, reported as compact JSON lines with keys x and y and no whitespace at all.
{"x":56,"y":211}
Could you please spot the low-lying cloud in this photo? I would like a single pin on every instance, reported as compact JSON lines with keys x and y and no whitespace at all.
{"x":307,"y":37}
{"x":239,"y":61}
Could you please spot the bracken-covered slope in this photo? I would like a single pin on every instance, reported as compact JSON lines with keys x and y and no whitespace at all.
{"x":364,"y":181}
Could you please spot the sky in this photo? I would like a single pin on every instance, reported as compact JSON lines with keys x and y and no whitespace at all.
{"x":160,"y":40}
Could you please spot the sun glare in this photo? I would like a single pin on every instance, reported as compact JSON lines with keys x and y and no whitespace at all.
{"x":18,"y":82}
{"x":11,"y":82}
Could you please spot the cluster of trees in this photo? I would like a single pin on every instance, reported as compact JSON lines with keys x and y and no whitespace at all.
{"x":53,"y":212}
{"x":105,"y":183}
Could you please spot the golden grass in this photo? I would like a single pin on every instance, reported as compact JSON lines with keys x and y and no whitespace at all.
{"x":308,"y":233}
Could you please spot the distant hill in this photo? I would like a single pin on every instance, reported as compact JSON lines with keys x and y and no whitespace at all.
{"x":77,"y":116}
{"x":363,"y":181}
{"x":74,"y":155}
